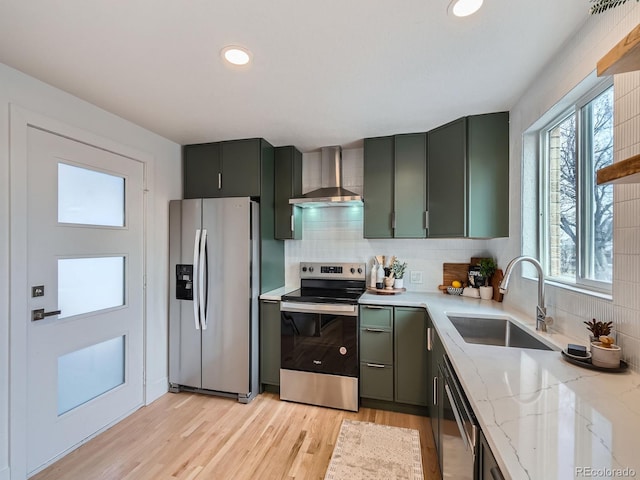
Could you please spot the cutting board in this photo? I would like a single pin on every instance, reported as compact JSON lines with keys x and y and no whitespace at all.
{"x":455,"y":271}
{"x":495,"y":283}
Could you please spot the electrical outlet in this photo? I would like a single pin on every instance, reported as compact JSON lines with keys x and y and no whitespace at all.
{"x":416,"y":276}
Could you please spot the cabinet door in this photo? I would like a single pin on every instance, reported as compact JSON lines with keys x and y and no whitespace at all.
{"x":447,"y":180}
{"x":488,"y":170}
{"x":436,"y":355}
{"x":241,"y":168}
{"x":378,"y":187}
{"x":376,"y":381}
{"x":410,"y":171}
{"x":410,"y":334}
{"x":288,"y":184}
{"x":376,"y":316}
{"x":201,"y":168}
{"x":376,"y":345}
{"x":270,"y":342}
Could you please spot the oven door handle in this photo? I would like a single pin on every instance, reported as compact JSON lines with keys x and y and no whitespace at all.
{"x":301,"y":307}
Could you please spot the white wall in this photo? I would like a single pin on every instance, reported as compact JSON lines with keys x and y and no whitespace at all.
{"x":165,"y":168}
{"x":573,"y":65}
{"x":336,"y":234}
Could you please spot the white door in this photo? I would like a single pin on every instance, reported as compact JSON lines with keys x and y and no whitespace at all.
{"x":85,"y":261}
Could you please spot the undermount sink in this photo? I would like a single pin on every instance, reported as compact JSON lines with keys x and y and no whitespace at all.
{"x":501,"y":332}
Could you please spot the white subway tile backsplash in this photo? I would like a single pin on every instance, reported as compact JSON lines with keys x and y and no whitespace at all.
{"x":626,"y":282}
{"x":336,"y":234}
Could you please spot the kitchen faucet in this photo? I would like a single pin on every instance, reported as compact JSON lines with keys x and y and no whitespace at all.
{"x":542,"y":320}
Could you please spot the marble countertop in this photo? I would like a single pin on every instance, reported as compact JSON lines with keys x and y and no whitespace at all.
{"x":544,"y":418}
{"x":278,"y":292}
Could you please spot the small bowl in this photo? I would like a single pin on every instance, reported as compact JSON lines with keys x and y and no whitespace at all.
{"x":454,"y":291}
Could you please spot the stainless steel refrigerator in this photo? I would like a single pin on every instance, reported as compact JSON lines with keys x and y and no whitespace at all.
{"x":213,"y":312}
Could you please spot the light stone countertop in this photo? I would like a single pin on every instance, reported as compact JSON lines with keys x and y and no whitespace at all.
{"x":544,"y":418}
{"x":278,"y":292}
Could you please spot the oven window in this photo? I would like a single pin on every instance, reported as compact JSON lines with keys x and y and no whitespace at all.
{"x":319,"y":342}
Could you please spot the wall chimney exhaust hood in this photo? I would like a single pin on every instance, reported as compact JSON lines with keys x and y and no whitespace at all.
{"x":332,"y":194}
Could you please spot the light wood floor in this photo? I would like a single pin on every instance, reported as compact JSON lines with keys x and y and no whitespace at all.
{"x":191,"y":436}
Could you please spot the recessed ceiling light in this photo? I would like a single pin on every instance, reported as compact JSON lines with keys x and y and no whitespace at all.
{"x":463,"y":8}
{"x":236,"y":55}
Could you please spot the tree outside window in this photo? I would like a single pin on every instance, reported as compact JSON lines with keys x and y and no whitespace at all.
{"x":578,"y":215}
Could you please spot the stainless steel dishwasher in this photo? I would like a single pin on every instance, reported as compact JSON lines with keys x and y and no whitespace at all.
{"x":458,"y":429}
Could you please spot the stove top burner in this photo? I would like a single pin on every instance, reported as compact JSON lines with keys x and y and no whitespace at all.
{"x":342,"y":283}
{"x":320,"y":295}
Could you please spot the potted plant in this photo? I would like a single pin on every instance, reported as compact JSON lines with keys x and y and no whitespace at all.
{"x":398,"y":270}
{"x":487,"y":269}
{"x":598,"y":329}
{"x":600,"y":6}
{"x":605,"y":353}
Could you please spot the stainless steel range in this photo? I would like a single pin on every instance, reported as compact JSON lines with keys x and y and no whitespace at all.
{"x":319,"y":329}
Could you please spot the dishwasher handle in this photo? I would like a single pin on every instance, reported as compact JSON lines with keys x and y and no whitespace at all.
{"x":496,"y":473}
{"x":456,"y":414}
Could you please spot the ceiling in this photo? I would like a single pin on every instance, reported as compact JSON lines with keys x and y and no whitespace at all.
{"x":323,"y":73}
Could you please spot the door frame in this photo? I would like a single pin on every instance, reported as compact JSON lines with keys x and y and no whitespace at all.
{"x":20,"y":120}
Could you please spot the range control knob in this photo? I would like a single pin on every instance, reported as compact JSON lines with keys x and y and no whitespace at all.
{"x":310,"y":269}
{"x":353,"y":270}
{"x":360,"y":270}
{"x":304,"y":269}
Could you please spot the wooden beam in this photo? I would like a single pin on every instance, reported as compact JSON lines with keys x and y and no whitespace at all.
{"x":626,"y":171}
{"x":624,"y":57}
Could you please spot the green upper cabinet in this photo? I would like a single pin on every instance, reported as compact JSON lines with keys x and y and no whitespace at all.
{"x":468,"y":177}
{"x":378,"y":187}
{"x":288,"y":184}
{"x":410,"y":185}
{"x":224,"y":169}
{"x":488,"y":171}
{"x":240,"y":168}
{"x":447,"y":180}
{"x":201,"y":169}
{"x":395,"y":185}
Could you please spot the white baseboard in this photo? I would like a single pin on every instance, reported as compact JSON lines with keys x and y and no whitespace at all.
{"x":5,"y":473}
{"x":155,"y":390}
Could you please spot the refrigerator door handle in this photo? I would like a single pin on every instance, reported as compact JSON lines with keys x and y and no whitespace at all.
{"x":196,"y":283}
{"x":203,"y":297}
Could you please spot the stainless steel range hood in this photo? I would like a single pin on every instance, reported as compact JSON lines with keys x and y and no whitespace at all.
{"x":331,"y":194}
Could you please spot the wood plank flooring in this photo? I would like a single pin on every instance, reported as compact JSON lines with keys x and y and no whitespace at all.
{"x":191,"y":436}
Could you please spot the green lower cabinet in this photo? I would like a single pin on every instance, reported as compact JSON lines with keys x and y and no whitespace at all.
{"x":410,"y":358}
{"x":376,"y":346}
{"x":376,"y":381}
{"x":393,"y":356}
{"x":435,"y":357}
{"x":270,"y":342}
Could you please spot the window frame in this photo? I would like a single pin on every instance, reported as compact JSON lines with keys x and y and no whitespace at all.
{"x":584,"y":187}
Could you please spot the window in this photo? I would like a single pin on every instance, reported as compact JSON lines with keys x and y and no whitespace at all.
{"x":576,"y":221}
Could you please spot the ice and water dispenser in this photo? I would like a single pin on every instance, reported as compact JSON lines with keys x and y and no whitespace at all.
{"x":184,"y":282}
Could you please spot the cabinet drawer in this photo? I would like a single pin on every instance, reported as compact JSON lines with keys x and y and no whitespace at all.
{"x":376,"y":316}
{"x":376,"y":381}
{"x":376,"y":345}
